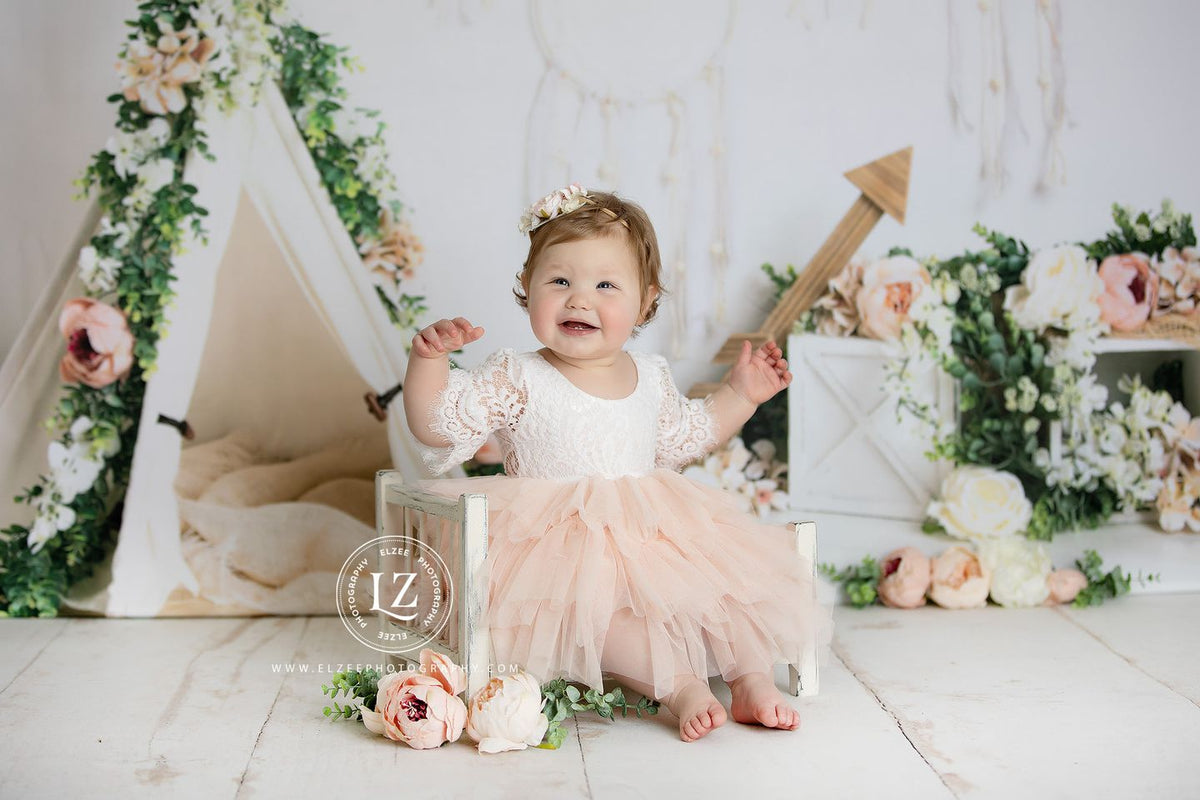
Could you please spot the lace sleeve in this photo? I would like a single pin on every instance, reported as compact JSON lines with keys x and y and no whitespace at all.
{"x":474,"y":403}
{"x":687,"y":428}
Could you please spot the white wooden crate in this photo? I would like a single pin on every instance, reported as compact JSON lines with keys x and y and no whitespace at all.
{"x":850,"y":455}
{"x":848,"y":452}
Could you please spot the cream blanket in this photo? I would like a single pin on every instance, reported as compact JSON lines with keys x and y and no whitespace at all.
{"x":271,"y":536}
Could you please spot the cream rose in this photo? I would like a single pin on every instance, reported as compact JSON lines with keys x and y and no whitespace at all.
{"x":507,"y":714}
{"x":1059,"y":288}
{"x":905,"y":578}
{"x":958,"y":579}
{"x":1020,"y":569}
{"x":890,"y":286}
{"x":981,"y":502}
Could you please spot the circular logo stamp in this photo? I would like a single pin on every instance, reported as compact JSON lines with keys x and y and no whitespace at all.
{"x":394,"y":594}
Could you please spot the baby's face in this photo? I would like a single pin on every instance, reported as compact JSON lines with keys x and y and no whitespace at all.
{"x":585,"y":297}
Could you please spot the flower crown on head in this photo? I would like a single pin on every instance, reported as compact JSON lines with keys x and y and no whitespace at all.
{"x":559,"y":202}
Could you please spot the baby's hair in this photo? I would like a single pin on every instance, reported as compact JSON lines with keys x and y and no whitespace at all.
{"x":605,"y":215}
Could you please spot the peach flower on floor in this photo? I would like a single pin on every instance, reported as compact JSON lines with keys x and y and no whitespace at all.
{"x":417,"y":710}
{"x":1130,"y":291}
{"x":889,"y":288}
{"x":1064,"y":585}
{"x":436,"y":665}
{"x":905,"y":578}
{"x":959,"y":580}
{"x":99,"y":343}
{"x":506,"y":714}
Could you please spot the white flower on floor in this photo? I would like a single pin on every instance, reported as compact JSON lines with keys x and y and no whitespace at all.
{"x":1020,"y":569}
{"x":506,"y":714}
{"x":980,"y":503}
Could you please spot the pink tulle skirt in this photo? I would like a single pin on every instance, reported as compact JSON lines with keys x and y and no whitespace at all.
{"x":645,"y":577}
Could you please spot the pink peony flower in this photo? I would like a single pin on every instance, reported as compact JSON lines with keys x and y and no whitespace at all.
{"x":889,"y":287}
{"x":1130,"y":291}
{"x":417,"y":710}
{"x":1064,"y":584}
{"x":905,"y":578}
{"x":452,"y":676}
{"x":99,"y":344}
{"x":959,"y":580}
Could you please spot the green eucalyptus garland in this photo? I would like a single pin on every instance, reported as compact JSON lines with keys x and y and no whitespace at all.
{"x":144,"y":228}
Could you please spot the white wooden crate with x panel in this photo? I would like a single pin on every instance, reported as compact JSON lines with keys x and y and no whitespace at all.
{"x":848,"y":451}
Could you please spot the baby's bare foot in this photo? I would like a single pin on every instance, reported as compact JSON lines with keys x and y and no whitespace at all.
{"x":757,"y":701}
{"x":697,"y":709}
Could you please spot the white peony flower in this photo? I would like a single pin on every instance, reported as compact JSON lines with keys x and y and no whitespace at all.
{"x":1020,"y":569}
{"x":1059,"y":288}
{"x":980,"y":503}
{"x":506,"y":714}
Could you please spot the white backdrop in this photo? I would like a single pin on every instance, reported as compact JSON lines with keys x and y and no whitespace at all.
{"x":810,"y":90}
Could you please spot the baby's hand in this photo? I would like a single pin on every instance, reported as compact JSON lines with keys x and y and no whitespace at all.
{"x":758,"y":376}
{"x":443,"y":336}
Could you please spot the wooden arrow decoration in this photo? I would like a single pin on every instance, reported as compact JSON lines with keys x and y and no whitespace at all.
{"x":884,"y":187}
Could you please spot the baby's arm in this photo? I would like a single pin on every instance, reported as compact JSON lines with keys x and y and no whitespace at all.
{"x":428,"y":370}
{"x":755,"y":378}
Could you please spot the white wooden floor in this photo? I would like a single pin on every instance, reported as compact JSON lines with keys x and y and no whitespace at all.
{"x":926,"y":704}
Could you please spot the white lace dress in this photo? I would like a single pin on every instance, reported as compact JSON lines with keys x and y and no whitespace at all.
{"x":593,"y":529}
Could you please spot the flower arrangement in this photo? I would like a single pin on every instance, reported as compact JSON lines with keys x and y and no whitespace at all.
{"x":424,"y":708}
{"x":184,"y":62}
{"x":1018,"y":329}
{"x":1014,"y":572}
{"x":753,"y":477}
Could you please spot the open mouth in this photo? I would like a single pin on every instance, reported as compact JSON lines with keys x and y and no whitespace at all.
{"x":575,"y":326}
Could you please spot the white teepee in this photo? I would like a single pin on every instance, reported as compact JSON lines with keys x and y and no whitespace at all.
{"x":273,"y":337}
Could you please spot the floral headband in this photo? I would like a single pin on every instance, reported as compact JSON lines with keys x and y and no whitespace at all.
{"x":555,"y":204}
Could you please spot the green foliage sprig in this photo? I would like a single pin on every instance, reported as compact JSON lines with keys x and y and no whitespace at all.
{"x":560,"y":699}
{"x":1145,"y":232}
{"x":859,"y":581}
{"x":781,"y":280}
{"x":1103,"y":585}
{"x":358,"y":685}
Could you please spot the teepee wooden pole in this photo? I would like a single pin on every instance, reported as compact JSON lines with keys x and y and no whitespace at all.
{"x":884,"y":187}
